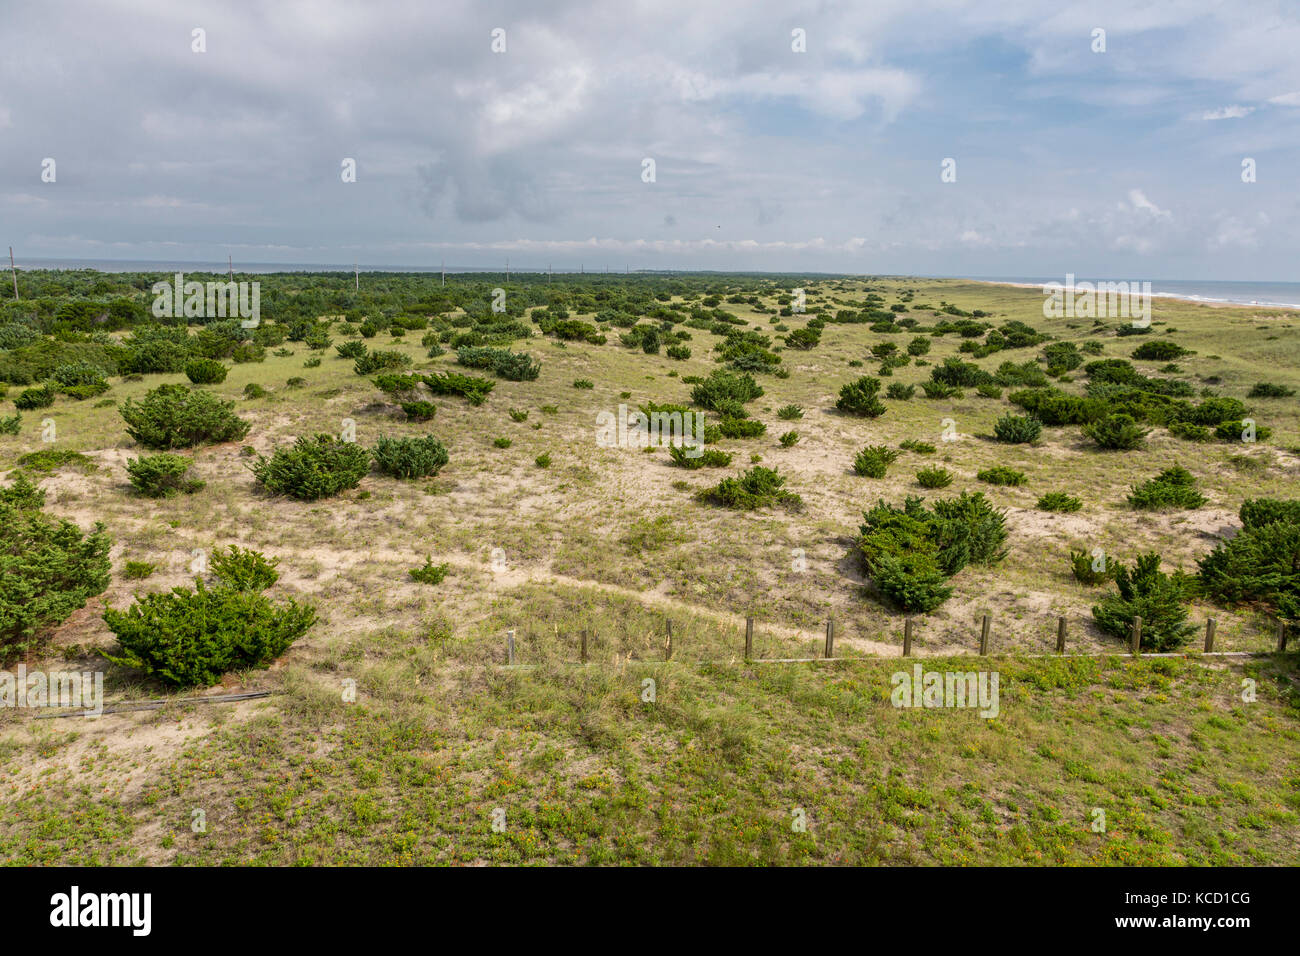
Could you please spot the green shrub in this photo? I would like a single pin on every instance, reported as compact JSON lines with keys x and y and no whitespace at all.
{"x":254,"y":391}
{"x":244,"y":570}
{"x":1117,"y":433}
{"x":789,"y":413}
{"x":919,"y":345}
{"x":1261,"y":564}
{"x":353,"y":349}
{"x":1172,"y":488}
{"x":313,"y":468}
{"x":910,"y":552}
{"x":1059,"y":501}
{"x":410,"y":457}
{"x":1257,"y":512}
{"x":30,"y":399}
{"x":419,"y":411}
{"x":502,"y":442}
{"x":873,"y":461}
{"x":192,"y":638}
{"x":512,"y":366}
{"x":920,"y":447}
{"x":934,"y":477}
{"x":900,"y":392}
{"x":202,"y":371}
{"x":722,"y":387}
{"x":940,"y":390}
{"x":756,"y":488}
{"x":380,"y":361}
{"x":11,"y":425}
{"x":473,"y":390}
{"x":50,"y":459}
{"x":313,"y":362}
{"x":431,"y":573}
{"x":708,"y":458}
{"x":1085,"y":570}
{"x":1270,"y":390}
{"x":48,"y":568}
{"x":959,"y":374}
{"x":173,"y":416}
{"x":1001,"y":475}
{"x":1159,"y":350}
{"x":989,"y":390}
{"x":138,"y":570}
{"x":1190,"y":432}
{"x":679,"y":352}
{"x":162,"y":476}
{"x":584,"y":383}
{"x":789,"y":439}
{"x":1237,"y":431}
{"x":1149,"y":593}
{"x":518,"y":415}
{"x":741,"y":428}
{"x":860,"y":398}
{"x":543,"y":460}
{"x":1017,"y":429}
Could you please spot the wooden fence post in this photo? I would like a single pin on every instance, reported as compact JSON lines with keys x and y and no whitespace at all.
{"x":584,"y":647}
{"x":1281,"y":636}
{"x":1060,"y":635}
{"x":830,"y":638}
{"x":749,"y":638}
{"x":984,"y":636}
{"x":1209,"y":635}
{"x":1136,"y":640}
{"x":510,"y":646}
{"x":907,"y":638}
{"x":668,"y":651}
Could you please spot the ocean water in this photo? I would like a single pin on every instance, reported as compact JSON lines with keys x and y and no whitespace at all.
{"x":1277,"y":294}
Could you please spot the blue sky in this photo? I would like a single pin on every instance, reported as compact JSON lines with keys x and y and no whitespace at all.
{"x":1123,"y":163}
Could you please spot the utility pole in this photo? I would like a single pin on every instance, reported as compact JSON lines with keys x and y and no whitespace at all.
{"x":357,"y":273}
{"x":230,"y":261}
{"x":14,"y":270}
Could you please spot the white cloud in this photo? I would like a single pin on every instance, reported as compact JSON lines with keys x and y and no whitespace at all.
{"x":1228,"y":112}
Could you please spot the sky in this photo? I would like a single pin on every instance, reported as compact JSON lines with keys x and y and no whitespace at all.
{"x":660,"y":134}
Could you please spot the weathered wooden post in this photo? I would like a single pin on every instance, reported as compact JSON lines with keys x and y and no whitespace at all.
{"x":1281,"y":636}
{"x":510,"y":646}
{"x":1060,"y":635}
{"x":1209,"y":636}
{"x":584,"y":647}
{"x":907,"y":637}
{"x":984,"y":636}
{"x":1137,"y":635}
{"x":749,"y":638}
{"x":830,"y":638}
{"x":668,"y":651}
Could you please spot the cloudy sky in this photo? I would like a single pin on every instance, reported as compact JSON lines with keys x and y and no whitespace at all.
{"x":1124,"y":163}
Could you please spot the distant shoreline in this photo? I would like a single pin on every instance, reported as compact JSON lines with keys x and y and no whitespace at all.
{"x":1181,"y":296}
